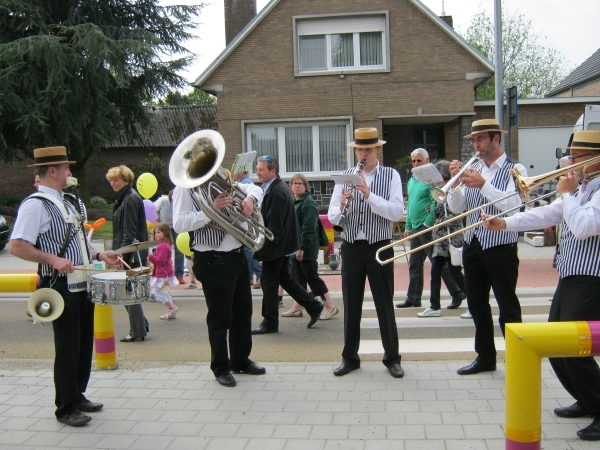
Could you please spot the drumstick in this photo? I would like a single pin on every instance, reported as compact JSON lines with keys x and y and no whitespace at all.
{"x":94,"y":270}
{"x":121,"y":259}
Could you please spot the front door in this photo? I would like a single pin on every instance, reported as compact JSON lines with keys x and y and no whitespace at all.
{"x":397,"y":146}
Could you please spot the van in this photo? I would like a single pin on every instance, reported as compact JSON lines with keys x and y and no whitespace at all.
{"x":589,"y":120}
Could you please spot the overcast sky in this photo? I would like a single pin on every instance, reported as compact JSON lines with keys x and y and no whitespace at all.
{"x":571,"y":27}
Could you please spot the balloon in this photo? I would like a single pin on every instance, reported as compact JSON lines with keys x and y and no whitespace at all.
{"x":147,"y":185}
{"x":150,"y":210}
{"x":99,"y":223}
{"x":183,"y":243}
{"x":149,"y":225}
{"x":87,"y":226}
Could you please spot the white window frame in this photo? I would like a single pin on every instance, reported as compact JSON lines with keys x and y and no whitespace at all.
{"x":349,"y":18}
{"x":281,"y":125}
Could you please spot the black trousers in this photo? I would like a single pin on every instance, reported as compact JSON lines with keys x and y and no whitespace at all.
{"x":578,"y":298}
{"x":360,"y":264}
{"x":73,"y":347}
{"x":496,"y":268}
{"x":224,"y":278}
{"x":438,"y":264}
{"x":307,"y":272}
{"x":416,"y":261}
{"x":276,"y":273}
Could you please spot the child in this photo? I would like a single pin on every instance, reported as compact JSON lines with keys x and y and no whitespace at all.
{"x":163,"y":273}
{"x":189,"y":262}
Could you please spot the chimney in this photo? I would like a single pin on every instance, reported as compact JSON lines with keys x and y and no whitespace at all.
{"x":237,"y":15}
{"x":448,"y":20}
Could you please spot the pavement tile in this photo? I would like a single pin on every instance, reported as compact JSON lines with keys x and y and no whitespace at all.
{"x":406,"y":432}
{"x":468,"y":444}
{"x":423,"y":418}
{"x":246,"y":417}
{"x":354,"y":395}
{"x":388,"y":444}
{"x":329,"y":432}
{"x":178,"y":416}
{"x":203,"y":405}
{"x":424,"y":445}
{"x":255,"y":430}
{"x":444,"y":432}
{"x":211,"y":416}
{"x":21,"y":411}
{"x":404,"y":406}
{"x":171,"y":404}
{"x":195,"y":394}
{"x":326,"y":396}
{"x":189,"y":443}
{"x":315,"y":418}
{"x":18,"y":423}
{"x":351,"y":418}
{"x":46,"y":424}
{"x":419,"y":394}
{"x":472,"y":405}
{"x":284,"y":396}
{"x":183,"y":429}
{"x":334,"y":406}
{"x":299,"y":444}
{"x":280,"y":418}
{"x":227,"y":443}
{"x":19,"y":400}
{"x":116,"y":441}
{"x":116,"y":427}
{"x":265,"y":444}
{"x":84,"y":440}
{"x":12,"y":437}
{"x":152,"y":443}
{"x":484,"y":431}
{"x":152,"y":427}
{"x":239,"y":405}
{"x":346,"y":444}
{"x":48,"y":438}
{"x":220,"y":430}
{"x":267,"y":406}
{"x":300,"y":406}
{"x":367,"y":432}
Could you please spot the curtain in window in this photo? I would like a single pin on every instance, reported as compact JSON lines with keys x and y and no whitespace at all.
{"x":332,"y":147}
{"x":264,"y":141}
{"x":342,"y":50}
{"x":299,"y":149}
{"x":371,"y":49}
{"x":312,"y":53}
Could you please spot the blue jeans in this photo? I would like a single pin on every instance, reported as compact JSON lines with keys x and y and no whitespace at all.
{"x":178,"y":256}
{"x":253,"y":265}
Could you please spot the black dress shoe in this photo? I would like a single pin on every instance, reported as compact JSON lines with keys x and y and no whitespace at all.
{"x":261,"y":329}
{"x":476,"y":367}
{"x":226,"y":380}
{"x":591,"y":432}
{"x":407,"y":304}
{"x":345,"y":368}
{"x":314,"y":317}
{"x":75,"y":419}
{"x":571,"y":412}
{"x":251,"y":369}
{"x":130,"y":339}
{"x":87,"y":406}
{"x":456,"y":301}
{"x":396,"y":371}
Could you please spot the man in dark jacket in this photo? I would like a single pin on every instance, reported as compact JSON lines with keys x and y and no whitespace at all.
{"x":280,"y":217}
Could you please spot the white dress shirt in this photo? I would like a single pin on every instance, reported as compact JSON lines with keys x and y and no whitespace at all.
{"x":186,"y":218}
{"x":392,"y":209}
{"x":33,"y":218}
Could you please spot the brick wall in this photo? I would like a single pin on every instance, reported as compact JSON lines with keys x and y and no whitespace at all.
{"x":590,"y":89}
{"x":237,"y":14}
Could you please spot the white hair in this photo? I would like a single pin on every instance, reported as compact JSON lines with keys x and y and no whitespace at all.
{"x":420,"y":151}
{"x":563,"y":162}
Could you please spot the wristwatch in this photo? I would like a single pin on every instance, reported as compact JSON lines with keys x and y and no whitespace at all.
{"x":564,"y":195}
{"x":98,"y":257}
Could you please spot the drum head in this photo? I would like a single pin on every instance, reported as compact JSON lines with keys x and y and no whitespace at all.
{"x":108,"y":276}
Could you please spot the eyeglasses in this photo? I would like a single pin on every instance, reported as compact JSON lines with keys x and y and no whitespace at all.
{"x":479,"y":139}
{"x":573,"y":158}
{"x":417,"y":160}
{"x":267,"y":158}
{"x":297,"y":183}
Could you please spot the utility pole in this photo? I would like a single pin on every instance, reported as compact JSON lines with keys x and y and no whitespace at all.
{"x":498,"y":67}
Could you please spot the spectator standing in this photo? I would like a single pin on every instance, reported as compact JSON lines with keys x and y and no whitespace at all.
{"x":164,"y":208}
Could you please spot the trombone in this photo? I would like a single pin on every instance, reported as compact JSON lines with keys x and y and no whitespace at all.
{"x":439,"y":194}
{"x":524,"y":186}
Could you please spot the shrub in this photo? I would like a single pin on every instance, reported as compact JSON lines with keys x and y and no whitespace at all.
{"x":98,"y":201}
{"x":10,"y":202}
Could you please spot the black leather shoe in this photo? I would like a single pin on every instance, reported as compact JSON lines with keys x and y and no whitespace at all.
{"x":407,"y":304}
{"x":261,"y":329}
{"x":87,"y":406}
{"x":251,"y":369}
{"x":75,"y":419}
{"x":456,"y":301}
{"x":314,"y":317}
{"x":226,"y":380}
{"x":345,"y":368}
{"x":396,"y":371}
{"x":571,"y":412}
{"x":476,"y":367}
{"x":591,"y":432}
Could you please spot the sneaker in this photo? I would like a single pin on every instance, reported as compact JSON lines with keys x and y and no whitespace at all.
{"x":257,"y":284}
{"x":192,"y":285}
{"x":181,"y":280}
{"x":75,"y":419}
{"x":466,"y":315}
{"x":172,"y":314}
{"x":430,"y":313}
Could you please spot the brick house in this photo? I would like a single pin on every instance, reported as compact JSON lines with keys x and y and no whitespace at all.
{"x":583,"y":81}
{"x":302,"y":74}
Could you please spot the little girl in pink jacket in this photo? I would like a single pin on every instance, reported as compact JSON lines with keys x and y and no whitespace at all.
{"x":163,"y":273}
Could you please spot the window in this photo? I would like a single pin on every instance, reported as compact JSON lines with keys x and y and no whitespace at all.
{"x":341,"y":44}
{"x":431,"y":138}
{"x":304,"y":148}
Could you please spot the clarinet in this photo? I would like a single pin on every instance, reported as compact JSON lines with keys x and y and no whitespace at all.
{"x":352,"y":189}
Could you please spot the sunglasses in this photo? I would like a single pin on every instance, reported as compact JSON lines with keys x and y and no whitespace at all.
{"x":479,"y":140}
{"x":417,"y":160}
{"x":267,"y":158}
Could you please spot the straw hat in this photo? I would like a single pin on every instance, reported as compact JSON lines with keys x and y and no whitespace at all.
{"x":586,"y":140}
{"x":484,"y":126}
{"x":48,"y":156}
{"x":366,"y":138}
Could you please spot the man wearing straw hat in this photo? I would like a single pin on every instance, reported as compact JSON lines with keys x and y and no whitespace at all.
{"x":47,"y":231}
{"x":490,"y":259}
{"x":577,"y":295}
{"x":370,"y":213}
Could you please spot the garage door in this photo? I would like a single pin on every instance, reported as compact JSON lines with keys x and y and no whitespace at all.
{"x":537,"y":147}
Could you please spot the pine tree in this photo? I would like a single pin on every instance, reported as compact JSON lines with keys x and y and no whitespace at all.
{"x":77,"y":72}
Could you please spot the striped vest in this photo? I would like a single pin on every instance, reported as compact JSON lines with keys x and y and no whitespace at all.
{"x":52,"y":240}
{"x":360,"y":216}
{"x":207,"y":235}
{"x":473,"y":199}
{"x":578,"y":256}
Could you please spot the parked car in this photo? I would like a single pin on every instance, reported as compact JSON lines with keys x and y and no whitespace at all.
{"x":3,"y":233}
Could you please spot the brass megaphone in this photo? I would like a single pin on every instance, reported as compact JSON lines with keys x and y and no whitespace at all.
{"x":45,"y":305}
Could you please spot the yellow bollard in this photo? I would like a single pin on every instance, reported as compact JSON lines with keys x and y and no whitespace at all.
{"x":17,"y":282}
{"x":104,"y":337}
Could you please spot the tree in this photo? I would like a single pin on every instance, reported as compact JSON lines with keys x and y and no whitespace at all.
{"x":527,"y":62}
{"x":196,"y":97}
{"x":76,"y":72}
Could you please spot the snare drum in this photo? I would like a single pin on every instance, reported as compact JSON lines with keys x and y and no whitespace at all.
{"x":116,"y":288}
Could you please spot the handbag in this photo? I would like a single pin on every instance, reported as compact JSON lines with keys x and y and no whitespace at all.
{"x":323,"y":238}
{"x":455,"y":252}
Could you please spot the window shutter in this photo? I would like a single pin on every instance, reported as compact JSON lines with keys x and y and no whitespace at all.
{"x":306,"y":27}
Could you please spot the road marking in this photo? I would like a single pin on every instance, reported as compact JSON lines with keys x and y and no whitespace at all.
{"x":409,"y":346}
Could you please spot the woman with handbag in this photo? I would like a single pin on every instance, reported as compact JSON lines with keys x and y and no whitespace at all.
{"x":448,"y":251}
{"x":304,"y":264}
